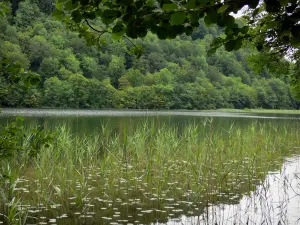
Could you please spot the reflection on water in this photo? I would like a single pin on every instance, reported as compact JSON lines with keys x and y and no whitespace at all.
{"x":91,"y":121}
{"x":276,"y":201}
{"x":137,"y":113}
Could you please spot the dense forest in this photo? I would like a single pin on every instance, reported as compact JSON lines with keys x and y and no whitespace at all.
{"x":170,"y":74}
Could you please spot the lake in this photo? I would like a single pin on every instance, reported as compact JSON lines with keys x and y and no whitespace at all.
{"x":90,"y":121}
{"x":163,"y":167}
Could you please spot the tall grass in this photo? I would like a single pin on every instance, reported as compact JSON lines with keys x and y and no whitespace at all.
{"x":152,"y":174}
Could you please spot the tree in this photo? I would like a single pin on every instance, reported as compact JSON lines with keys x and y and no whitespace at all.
{"x":81,"y":91}
{"x":133,"y":77}
{"x":27,"y":13}
{"x":102,"y":95}
{"x":49,"y":67}
{"x":156,"y":61}
{"x":70,"y":61}
{"x":171,"y":73}
{"x":90,"y":67}
{"x":13,"y":53}
{"x":59,"y":93}
{"x":115,"y":69}
{"x":46,"y":6}
{"x":39,"y":48}
{"x":273,"y":25}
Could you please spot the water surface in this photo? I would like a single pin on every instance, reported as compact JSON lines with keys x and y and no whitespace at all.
{"x":90,"y":121}
{"x":271,"y":198}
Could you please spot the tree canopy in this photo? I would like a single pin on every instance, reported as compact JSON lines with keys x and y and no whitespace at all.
{"x":271,"y":25}
{"x":170,"y":74}
{"x":37,"y":49}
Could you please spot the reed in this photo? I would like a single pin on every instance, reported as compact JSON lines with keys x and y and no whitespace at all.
{"x":147,"y":176}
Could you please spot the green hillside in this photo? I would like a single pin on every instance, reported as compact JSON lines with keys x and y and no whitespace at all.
{"x":170,"y":74}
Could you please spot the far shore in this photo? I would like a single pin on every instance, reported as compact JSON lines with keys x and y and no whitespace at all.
{"x":284,"y":111}
{"x":226,"y":110}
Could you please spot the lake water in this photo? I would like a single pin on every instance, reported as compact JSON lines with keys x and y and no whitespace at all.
{"x":90,"y":121}
{"x":273,"y":200}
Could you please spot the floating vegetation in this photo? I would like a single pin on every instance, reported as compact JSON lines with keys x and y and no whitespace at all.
{"x":149,"y":176}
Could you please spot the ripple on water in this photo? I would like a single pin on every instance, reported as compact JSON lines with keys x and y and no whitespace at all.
{"x":132,"y":113}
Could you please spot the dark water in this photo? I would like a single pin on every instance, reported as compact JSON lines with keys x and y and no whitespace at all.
{"x":90,"y":121}
{"x":275,"y":200}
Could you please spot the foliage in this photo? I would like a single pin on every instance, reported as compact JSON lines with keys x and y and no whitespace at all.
{"x":18,"y":145}
{"x":10,"y":139}
{"x":15,"y":140}
{"x":273,"y":26}
{"x":3,"y":8}
{"x":169,"y":74}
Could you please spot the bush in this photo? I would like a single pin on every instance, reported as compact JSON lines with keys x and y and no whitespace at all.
{"x":14,"y":141}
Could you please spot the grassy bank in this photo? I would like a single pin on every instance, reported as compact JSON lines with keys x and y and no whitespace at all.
{"x":279,"y":111}
{"x":148,"y":176}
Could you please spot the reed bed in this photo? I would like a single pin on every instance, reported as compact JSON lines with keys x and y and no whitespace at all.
{"x":147,"y":176}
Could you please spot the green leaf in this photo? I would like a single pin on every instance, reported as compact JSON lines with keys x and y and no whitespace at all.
{"x":238,"y":44}
{"x":244,"y":29}
{"x":211,"y":17}
{"x":178,"y":18}
{"x":162,"y":33}
{"x":222,"y":8}
{"x":59,"y":5}
{"x":255,"y":12}
{"x":70,"y":6}
{"x":131,"y":31}
{"x":168,"y":7}
{"x":188,"y":30}
{"x":230,"y":45}
{"x":137,"y":50}
{"x":207,"y":20}
{"x":201,"y":2}
{"x":89,"y":15}
{"x":127,"y":18}
{"x":295,"y":41}
{"x":116,"y":36}
{"x":150,"y":3}
{"x":109,"y":16}
{"x":194,"y":17}
{"x":190,"y":5}
{"x":4,"y":8}
{"x":141,"y":31}
{"x":118,"y":30}
{"x":228,"y":20}
{"x":76,"y":16}
{"x":57,"y":14}
{"x":284,"y":2}
{"x":175,"y":30}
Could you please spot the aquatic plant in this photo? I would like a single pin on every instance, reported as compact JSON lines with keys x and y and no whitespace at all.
{"x":149,"y":175}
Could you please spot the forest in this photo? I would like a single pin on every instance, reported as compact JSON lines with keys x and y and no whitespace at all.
{"x":169,"y":74}
{"x":60,"y":165}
